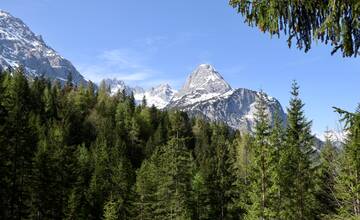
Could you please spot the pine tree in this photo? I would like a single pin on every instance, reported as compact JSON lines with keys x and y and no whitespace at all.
{"x":163,"y":184}
{"x":19,"y":146}
{"x":334,"y":22}
{"x":110,"y":211}
{"x":325,"y":181}
{"x":145,"y":187}
{"x":262,"y":166}
{"x":297,"y":184}
{"x":276,"y":142}
{"x":201,"y":201}
{"x":4,"y":150}
{"x":174,"y":189}
{"x":221,"y":178}
{"x":348,"y":180}
{"x":241,"y":168}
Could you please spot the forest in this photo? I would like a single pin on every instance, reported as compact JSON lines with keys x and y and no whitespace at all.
{"x":76,"y":152}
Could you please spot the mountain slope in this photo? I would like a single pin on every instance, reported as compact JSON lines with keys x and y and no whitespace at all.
{"x":208,"y":95}
{"x":20,"y":46}
{"x":159,"y":96}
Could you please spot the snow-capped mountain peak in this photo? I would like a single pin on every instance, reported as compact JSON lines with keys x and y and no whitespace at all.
{"x":161,"y":89}
{"x":204,"y":80}
{"x":20,"y":46}
{"x":207,"y":94}
{"x":116,"y":85}
{"x":159,"y":96}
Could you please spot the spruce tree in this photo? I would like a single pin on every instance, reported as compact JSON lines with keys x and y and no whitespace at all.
{"x":19,"y":146}
{"x":221,"y":179}
{"x":297,"y":184}
{"x":348,"y":180}
{"x":110,"y":211}
{"x":241,"y":155}
{"x":276,"y":142}
{"x":325,"y":180}
{"x":201,"y":201}
{"x":262,"y":166}
{"x":333,"y":22}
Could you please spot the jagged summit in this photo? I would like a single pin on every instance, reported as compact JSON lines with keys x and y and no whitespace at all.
{"x":158,"y":96}
{"x":20,"y":46}
{"x":4,"y":13}
{"x":116,"y":85}
{"x":207,"y":94}
{"x":204,"y":80}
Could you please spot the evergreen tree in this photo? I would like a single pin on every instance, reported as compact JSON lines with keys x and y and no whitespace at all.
{"x":174,"y":190}
{"x":297,"y":184}
{"x":276,"y":142}
{"x":201,"y":197}
{"x":19,"y":146}
{"x":221,"y":178}
{"x":242,"y":154}
{"x":334,"y":22}
{"x":348,"y":180}
{"x":262,"y":166}
{"x":325,"y":181}
{"x":110,"y":211}
{"x":145,"y":187}
{"x":164,"y":182}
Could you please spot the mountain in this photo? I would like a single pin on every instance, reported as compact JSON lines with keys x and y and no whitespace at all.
{"x":204,"y":82}
{"x":337,"y":137}
{"x":207,"y":94}
{"x":159,"y":96}
{"x":116,"y":85}
{"x":20,"y":46}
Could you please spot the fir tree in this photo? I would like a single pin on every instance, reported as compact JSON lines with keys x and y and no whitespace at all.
{"x":297,"y":184}
{"x":334,"y":22}
{"x":110,"y":211}
{"x":276,"y":142}
{"x":262,"y":166}
{"x":348,"y":180}
{"x":325,"y":181}
{"x":19,"y":146}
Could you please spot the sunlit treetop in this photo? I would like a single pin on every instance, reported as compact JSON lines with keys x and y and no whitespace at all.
{"x":334,"y":22}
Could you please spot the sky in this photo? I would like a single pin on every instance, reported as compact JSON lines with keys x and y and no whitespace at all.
{"x":159,"y":41}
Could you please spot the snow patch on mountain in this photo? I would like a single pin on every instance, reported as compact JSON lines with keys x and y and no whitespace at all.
{"x":159,"y":96}
{"x":204,"y":82}
{"x":20,"y":46}
{"x":206,"y":94}
{"x":336,"y":136}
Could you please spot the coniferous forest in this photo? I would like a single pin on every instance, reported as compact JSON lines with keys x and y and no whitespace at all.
{"x":75,"y":152}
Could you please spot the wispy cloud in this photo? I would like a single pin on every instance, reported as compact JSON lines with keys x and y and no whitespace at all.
{"x":132,"y":64}
{"x":127,"y":65}
{"x":122,"y":64}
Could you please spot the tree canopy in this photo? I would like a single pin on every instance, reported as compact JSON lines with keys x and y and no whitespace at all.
{"x":74,"y":152}
{"x":334,"y":22}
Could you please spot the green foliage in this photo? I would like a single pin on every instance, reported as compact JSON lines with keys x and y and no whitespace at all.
{"x":110,"y":211}
{"x":326,"y":175}
{"x":348,"y":179}
{"x":335,"y":22}
{"x":262,"y":167}
{"x":70,"y":152}
{"x":297,"y":186}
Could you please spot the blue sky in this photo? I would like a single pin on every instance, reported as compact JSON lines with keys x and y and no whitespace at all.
{"x":150,"y":42}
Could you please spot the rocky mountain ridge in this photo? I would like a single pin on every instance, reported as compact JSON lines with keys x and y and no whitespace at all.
{"x":19,"y":46}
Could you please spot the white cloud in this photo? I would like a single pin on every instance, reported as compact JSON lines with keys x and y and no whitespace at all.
{"x":121,"y":64}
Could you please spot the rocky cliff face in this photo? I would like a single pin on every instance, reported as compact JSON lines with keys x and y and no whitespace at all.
{"x":20,"y":46}
{"x":205,"y":94}
{"x":208,"y":95}
{"x":159,"y":96}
